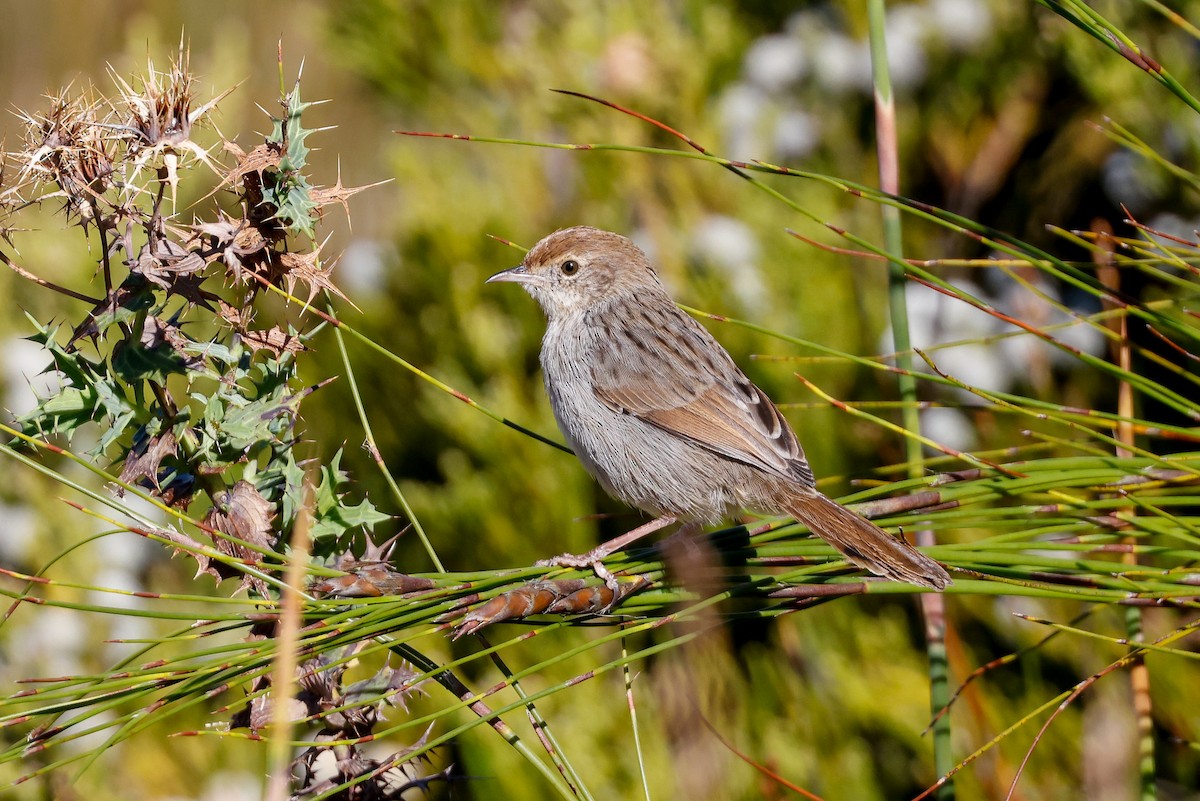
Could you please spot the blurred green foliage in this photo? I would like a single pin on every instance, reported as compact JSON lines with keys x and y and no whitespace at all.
{"x":995,"y":128}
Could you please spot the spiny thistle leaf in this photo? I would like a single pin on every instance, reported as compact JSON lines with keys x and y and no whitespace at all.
{"x":288,"y":190}
{"x":331,"y":515}
{"x":291,"y":134}
{"x":87,"y":394}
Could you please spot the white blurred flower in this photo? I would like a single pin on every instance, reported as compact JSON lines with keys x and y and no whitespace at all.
{"x":936,"y":319}
{"x":120,"y":627}
{"x":1028,"y":306}
{"x":906,"y":29}
{"x":741,"y":108}
{"x":53,"y":642}
{"x":1175,"y":225}
{"x":19,"y":524}
{"x":363,"y":267}
{"x":775,"y":62}
{"x":729,"y":246}
{"x":842,"y":64}
{"x":797,"y":134}
{"x":809,"y":24}
{"x":642,"y":238}
{"x":949,"y":427}
{"x":129,"y":551}
{"x":961,"y":24}
{"x":1127,"y":181}
{"x":24,"y":382}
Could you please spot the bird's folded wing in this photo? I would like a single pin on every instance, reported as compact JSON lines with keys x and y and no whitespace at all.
{"x":687,"y":385}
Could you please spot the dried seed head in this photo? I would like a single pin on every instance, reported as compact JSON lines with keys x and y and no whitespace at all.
{"x":160,"y":114}
{"x":11,"y":199}
{"x":69,"y":146}
{"x":159,"y":117}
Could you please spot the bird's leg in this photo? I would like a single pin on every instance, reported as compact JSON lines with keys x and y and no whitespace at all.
{"x":594,"y":557}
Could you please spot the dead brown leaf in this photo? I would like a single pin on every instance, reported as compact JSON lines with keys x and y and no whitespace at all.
{"x":243,"y":513}
{"x":145,"y":457}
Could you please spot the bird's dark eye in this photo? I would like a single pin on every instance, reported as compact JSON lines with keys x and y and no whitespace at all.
{"x":570,"y":267}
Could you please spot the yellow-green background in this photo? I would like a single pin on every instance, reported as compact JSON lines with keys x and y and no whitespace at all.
{"x":834,"y":698}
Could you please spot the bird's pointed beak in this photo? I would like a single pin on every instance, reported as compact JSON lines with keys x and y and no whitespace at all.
{"x":519,"y":275}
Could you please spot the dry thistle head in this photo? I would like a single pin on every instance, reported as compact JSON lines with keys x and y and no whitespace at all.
{"x":161,"y":112}
{"x":160,"y":118}
{"x":10,"y":197}
{"x":70,"y":147}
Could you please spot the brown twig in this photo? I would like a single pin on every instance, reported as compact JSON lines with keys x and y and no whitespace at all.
{"x":21,"y":271}
{"x":1139,"y":673}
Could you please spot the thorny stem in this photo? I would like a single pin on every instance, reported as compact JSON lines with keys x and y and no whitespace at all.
{"x":104,"y":260}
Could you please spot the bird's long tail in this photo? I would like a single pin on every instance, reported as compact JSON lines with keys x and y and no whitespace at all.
{"x":866,"y":544}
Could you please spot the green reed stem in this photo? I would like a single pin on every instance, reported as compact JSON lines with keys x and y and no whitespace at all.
{"x":933,"y":605}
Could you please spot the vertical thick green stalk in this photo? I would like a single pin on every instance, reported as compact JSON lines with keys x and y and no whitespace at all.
{"x":889,"y":181}
{"x":933,"y":605}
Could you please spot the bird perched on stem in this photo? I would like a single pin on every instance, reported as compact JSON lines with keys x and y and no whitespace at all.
{"x":661,"y":416}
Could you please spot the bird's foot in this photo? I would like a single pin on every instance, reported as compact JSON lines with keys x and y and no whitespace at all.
{"x":594,"y":558}
{"x":590,"y":559}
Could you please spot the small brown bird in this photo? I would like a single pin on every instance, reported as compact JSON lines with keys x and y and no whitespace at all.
{"x":661,"y":416}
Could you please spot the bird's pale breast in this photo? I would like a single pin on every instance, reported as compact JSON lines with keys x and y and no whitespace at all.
{"x":637,"y":462}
